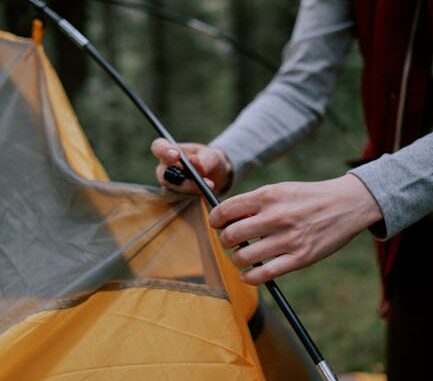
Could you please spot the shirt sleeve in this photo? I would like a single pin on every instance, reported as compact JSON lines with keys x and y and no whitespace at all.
{"x":295,"y":100}
{"x":402,"y":184}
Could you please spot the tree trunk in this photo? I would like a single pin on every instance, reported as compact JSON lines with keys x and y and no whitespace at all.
{"x":241,"y":27}
{"x":71,"y":63}
{"x":109,"y":32}
{"x":18,"y":17}
{"x":160,"y":64}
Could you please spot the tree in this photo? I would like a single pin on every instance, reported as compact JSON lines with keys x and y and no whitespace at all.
{"x":108,"y":15}
{"x":159,"y":63}
{"x":18,"y":17}
{"x":241,"y":25}
{"x":70,"y":62}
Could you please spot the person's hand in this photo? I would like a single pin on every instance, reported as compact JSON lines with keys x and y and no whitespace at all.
{"x":210,"y":162}
{"x":297,"y":224}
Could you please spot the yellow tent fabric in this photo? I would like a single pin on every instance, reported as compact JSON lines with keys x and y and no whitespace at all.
{"x":110,"y":281}
{"x":363,"y":377}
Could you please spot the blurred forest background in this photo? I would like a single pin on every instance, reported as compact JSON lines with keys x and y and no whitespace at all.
{"x":197,"y":85}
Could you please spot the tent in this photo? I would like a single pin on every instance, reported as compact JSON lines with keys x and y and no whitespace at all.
{"x":111,"y":281}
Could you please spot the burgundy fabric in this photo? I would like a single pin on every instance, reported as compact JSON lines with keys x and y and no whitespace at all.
{"x":410,"y":330}
{"x":383,"y":29}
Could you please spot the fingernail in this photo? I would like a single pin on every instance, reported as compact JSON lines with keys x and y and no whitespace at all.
{"x":172,"y":154}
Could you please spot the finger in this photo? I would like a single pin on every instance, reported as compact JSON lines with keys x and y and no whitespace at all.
{"x":243,"y":230}
{"x":233,"y":209}
{"x":195,"y":161}
{"x":208,"y":160}
{"x":258,"y":251}
{"x":280,"y":265}
{"x":164,"y":151}
{"x":187,"y":186}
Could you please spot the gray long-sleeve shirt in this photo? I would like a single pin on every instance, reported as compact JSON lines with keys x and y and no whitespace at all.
{"x":295,"y":101}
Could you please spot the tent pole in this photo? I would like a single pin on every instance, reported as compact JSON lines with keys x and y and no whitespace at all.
{"x":84,"y":44}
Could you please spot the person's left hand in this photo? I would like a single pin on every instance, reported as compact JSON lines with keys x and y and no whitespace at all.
{"x":297,"y":223}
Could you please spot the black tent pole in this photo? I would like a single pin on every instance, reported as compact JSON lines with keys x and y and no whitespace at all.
{"x":83,"y":43}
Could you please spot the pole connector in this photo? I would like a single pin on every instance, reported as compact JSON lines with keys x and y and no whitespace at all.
{"x":38,"y":28}
{"x":326,"y":372}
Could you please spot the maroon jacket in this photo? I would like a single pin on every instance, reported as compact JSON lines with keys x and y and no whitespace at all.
{"x":384,"y":30}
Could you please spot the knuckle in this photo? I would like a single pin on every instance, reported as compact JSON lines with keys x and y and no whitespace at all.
{"x":280,"y":219}
{"x":222,"y":214}
{"x":298,"y":261}
{"x":229,"y":237}
{"x":156,"y":144}
{"x":269,"y":272}
{"x":240,"y":258}
{"x":267,"y":193}
{"x":225,"y":213}
{"x":263,"y":192}
{"x":279,"y":222}
{"x":302,"y":259}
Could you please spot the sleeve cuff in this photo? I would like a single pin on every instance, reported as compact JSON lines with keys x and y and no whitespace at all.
{"x":380,"y":230}
{"x":402,"y":184}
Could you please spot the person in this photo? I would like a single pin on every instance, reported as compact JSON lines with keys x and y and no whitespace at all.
{"x":300,"y":223}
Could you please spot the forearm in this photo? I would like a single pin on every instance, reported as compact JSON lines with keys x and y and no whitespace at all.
{"x":402,"y":184}
{"x":294,"y":102}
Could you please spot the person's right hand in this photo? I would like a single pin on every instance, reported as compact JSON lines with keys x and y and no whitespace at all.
{"x":210,"y":162}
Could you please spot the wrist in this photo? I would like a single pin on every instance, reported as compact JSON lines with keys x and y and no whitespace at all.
{"x":368,"y":210}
